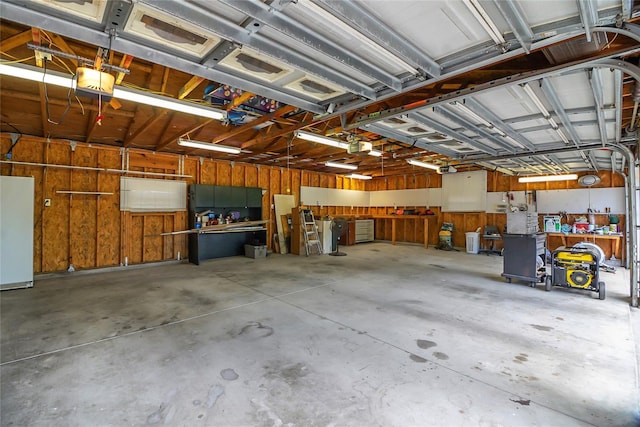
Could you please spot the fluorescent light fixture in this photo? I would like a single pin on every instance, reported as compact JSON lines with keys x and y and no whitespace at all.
{"x":485,"y":20}
{"x":545,"y":178}
{"x":35,"y":74}
{"x":562,"y":136}
{"x":498,"y":131}
{"x":375,"y":153}
{"x":529,"y":91}
{"x":341,"y":27}
{"x":321,"y":139}
{"x":508,"y":138}
{"x":358,"y":176}
{"x":168,"y":103}
{"x":531,"y":94}
{"x":477,"y":118}
{"x":341,"y":165}
{"x":64,"y":80}
{"x":415,"y":162}
{"x":208,"y":146}
{"x":472,"y":114}
{"x":495,"y":168}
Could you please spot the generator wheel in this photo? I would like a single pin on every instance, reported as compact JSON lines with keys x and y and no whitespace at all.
{"x":547,"y":283}
{"x":601,"y":291}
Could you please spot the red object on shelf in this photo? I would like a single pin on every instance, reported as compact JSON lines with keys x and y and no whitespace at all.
{"x":582,"y":227}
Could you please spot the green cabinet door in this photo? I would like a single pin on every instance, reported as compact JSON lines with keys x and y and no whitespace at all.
{"x":201,"y":196}
{"x":254,"y":197}
{"x":223,"y":196}
{"x":238,"y":197}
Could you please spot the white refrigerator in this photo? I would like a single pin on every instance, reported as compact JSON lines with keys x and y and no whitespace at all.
{"x":16,"y":232}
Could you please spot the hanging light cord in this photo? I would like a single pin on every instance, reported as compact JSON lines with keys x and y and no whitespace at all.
{"x":46,"y":97}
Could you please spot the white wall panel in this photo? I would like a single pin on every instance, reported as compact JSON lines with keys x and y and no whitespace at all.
{"x":16,"y":231}
{"x":464,"y":191}
{"x":152,"y":195}
{"x":580,"y":200}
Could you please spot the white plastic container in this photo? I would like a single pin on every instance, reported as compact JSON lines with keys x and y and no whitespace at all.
{"x":473,"y":242}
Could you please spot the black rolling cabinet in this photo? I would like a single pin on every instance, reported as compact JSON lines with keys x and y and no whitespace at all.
{"x":222,"y":200}
{"x":520,"y":257}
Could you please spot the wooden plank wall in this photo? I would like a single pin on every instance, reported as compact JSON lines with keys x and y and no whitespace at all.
{"x":89,"y":231}
{"x":412,"y":231}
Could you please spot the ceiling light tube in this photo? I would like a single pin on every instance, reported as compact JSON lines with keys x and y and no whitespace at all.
{"x":208,"y":146}
{"x":36,"y":75}
{"x":562,"y":136}
{"x":358,"y":176}
{"x":58,"y":79}
{"x":339,"y":26}
{"x":167,"y":103}
{"x":472,"y":114}
{"x":415,"y":162}
{"x":545,"y":178}
{"x":485,"y":20}
{"x":552,"y":122}
{"x":510,"y":139}
{"x":498,"y":131}
{"x":534,"y":98}
{"x":321,"y":139}
{"x":341,"y":165}
{"x":375,"y":153}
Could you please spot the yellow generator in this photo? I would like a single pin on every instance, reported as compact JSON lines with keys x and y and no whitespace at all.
{"x":575,"y":268}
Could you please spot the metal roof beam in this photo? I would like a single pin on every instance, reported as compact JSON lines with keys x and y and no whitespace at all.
{"x":517,"y":22}
{"x":588,"y":16}
{"x":498,"y":123}
{"x":270,"y":15}
{"x":223,"y":27}
{"x":484,"y":57}
{"x":445,"y":110}
{"x":438,"y":127}
{"x":380,"y":130}
{"x":617,"y":87}
{"x":528,"y":166}
{"x":98,"y":37}
{"x":629,"y":30}
{"x":557,"y":161}
{"x":551,"y":95}
{"x":575,"y":125}
{"x":569,"y":111}
{"x":549,"y":165}
{"x":496,"y":168}
{"x":596,"y":87}
{"x":374,"y":29}
{"x":627,"y":9}
{"x":593,"y":160}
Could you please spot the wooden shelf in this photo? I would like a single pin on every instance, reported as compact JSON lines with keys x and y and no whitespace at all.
{"x":569,"y":238}
{"x":393,"y":218}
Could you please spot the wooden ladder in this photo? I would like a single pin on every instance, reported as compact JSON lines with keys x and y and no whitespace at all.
{"x":310,"y":232}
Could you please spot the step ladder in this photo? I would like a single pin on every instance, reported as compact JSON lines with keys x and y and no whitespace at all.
{"x":310,"y":232}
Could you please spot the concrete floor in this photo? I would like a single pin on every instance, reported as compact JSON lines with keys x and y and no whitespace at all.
{"x":386,"y":336}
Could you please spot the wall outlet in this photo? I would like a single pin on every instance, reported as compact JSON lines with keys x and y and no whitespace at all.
{"x":47,"y":202}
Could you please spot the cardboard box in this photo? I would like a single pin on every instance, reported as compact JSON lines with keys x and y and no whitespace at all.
{"x":255,"y":251}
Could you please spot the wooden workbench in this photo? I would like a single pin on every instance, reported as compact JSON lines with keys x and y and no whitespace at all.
{"x":572,"y":238}
{"x":394,"y":219}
